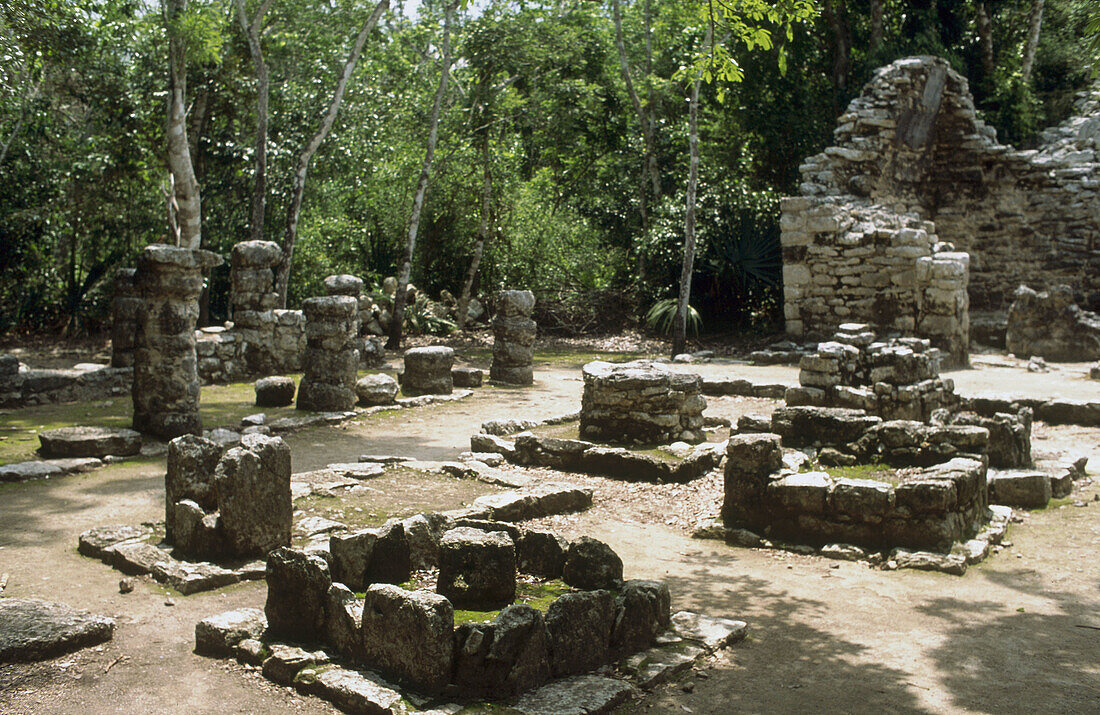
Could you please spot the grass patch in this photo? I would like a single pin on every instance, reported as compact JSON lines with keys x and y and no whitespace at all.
{"x":875,"y":471}
{"x":538,"y":595}
{"x":562,"y":357}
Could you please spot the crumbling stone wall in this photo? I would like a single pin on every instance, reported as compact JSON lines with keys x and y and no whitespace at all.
{"x":640,"y":402}
{"x":910,"y":156}
{"x":125,"y":306}
{"x":166,"y":380}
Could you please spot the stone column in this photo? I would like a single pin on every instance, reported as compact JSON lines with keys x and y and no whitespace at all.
{"x":513,"y":338}
{"x":166,"y":378}
{"x":371,"y":353}
{"x":125,"y":307}
{"x":330,"y":362}
{"x":252,"y":300}
{"x":943,"y":314}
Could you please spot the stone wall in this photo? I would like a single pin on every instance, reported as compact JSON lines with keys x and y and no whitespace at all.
{"x":910,"y":157}
{"x":640,"y":402}
{"x":125,"y":306}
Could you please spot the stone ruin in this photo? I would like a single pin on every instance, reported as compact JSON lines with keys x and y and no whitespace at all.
{"x":640,"y":402}
{"x":227,"y":505}
{"x":166,"y":381}
{"x":411,"y":638}
{"x":125,"y":308}
{"x":916,"y":178}
{"x":330,"y":363}
{"x":1050,"y":325}
{"x":268,"y":341}
{"x":428,"y":371}
{"x":894,"y":379}
{"x":371,"y":352}
{"x":513,"y":338}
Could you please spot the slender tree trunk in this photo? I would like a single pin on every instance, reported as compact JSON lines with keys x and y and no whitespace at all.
{"x":27,"y":102}
{"x":679,"y":322}
{"x":835,"y":13}
{"x":252,"y":32}
{"x":405,"y":267}
{"x":643,"y":119}
{"x":876,"y":25}
{"x":282,"y":271}
{"x":482,"y":236}
{"x":1034,"y":22}
{"x":985,"y":40}
{"x":188,"y":201}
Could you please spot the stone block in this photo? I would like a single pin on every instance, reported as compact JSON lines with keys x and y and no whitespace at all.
{"x":803,"y":493}
{"x":253,"y":487}
{"x":377,"y":389}
{"x":1029,"y":490}
{"x":428,"y":371}
{"x":297,"y":591}
{"x":408,"y":636}
{"x":578,"y":626}
{"x":274,"y":391}
{"x":592,"y":564}
{"x":642,"y":611}
{"x":477,"y":569}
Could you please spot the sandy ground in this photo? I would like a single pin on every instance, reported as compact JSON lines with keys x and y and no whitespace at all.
{"x":1018,"y":633}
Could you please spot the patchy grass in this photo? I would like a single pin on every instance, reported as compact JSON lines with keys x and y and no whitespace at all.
{"x":875,"y":471}
{"x":537,"y":594}
{"x":566,"y":358}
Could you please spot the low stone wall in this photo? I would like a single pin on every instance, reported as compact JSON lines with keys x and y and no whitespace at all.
{"x":933,"y":509}
{"x":641,"y":402}
{"x":22,"y":387}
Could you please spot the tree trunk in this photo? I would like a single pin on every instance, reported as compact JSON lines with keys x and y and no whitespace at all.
{"x":1034,"y":22}
{"x":405,"y":267}
{"x":188,"y":202}
{"x":679,"y":322}
{"x":482,"y":236}
{"x":282,"y":271}
{"x":643,"y":119}
{"x":835,"y":13}
{"x":259,"y":191}
{"x":985,"y":40}
{"x":876,"y":25}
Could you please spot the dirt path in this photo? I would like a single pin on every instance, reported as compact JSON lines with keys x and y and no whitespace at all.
{"x":1004,"y":637}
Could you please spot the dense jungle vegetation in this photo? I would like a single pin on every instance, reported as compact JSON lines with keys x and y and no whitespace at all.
{"x":563,"y":138}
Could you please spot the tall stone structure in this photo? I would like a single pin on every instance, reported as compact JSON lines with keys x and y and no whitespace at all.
{"x":125,"y":307}
{"x":166,"y":380}
{"x":513,"y":338}
{"x":331,"y":360}
{"x":915,"y":175}
{"x":252,"y":301}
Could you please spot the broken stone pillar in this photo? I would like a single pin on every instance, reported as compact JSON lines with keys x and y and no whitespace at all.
{"x":640,"y":402}
{"x":252,"y":300}
{"x":331,"y":361}
{"x":428,"y":371}
{"x":166,"y":378}
{"x":513,"y":338}
{"x":1051,"y":326}
{"x":125,"y":307}
{"x":943,"y":305}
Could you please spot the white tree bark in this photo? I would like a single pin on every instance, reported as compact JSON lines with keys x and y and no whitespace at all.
{"x":482,"y":236}
{"x":252,"y":30}
{"x":188,"y":200}
{"x":1034,"y":23}
{"x":282,"y":272}
{"x":405,"y":267}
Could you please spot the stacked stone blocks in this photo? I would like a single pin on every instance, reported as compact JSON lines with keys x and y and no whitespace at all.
{"x":513,"y":338}
{"x":640,"y":402}
{"x":331,"y":361}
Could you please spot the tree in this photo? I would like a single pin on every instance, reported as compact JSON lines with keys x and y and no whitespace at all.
{"x":185,"y":186}
{"x":252,"y":30}
{"x":1034,"y":22}
{"x":397,"y":318}
{"x":282,"y":271}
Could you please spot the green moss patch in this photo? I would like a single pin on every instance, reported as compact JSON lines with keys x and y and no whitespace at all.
{"x":538,"y":595}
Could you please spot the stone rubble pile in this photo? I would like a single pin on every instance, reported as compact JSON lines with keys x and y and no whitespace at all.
{"x":895,"y":379}
{"x":227,"y":504}
{"x":1050,"y":325}
{"x":166,"y":382}
{"x":330,"y":363}
{"x":640,"y":402}
{"x":513,"y":338}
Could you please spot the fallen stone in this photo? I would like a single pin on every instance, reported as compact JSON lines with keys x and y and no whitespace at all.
{"x":378,"y":389}
{"x":353,"y":691}
{"x":712,"y":633}
{"x":549,"y":500}
{"x":466,"y":376}
{"x":650,"y":668}
{"x":843,"y":552}
{"x":284,"y":663}
{"x":1029,"y":490}
{"x":591,"y":564}
{"x":89,"y":442}
{"x":31,"y":629}
{"x":135,"y":558}
{"x":21,"y":471}
{"x":954,"y":564}
{"x":274,"y":391}
{"x":501,"y":428}
{"x":95,"y":542}
{"x":579,"y":695}
{"x":187,"y":577}
{"x":218,"y":635}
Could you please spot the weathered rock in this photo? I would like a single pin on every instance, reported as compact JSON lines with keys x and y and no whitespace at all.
{"x":1052,"y":326}
{"x":578,"y":695}
{"x":578,"y":626}
{"x":32,"y":630}
{"x":466,"y":376}
{"x":297,"y":590}
{"x":188,"y":578}
{"x":477,"y":569}
{"x":712,"y":633}
{"x":820,"y":426}
{"x":660,"y":665}
{"x":1030,"y":490}
{"x":541,"y":553}
{"x":546,"y":500}
{"x":343,"y":614}
{"x":378,"y":389}
{"x":354,"y":692}
{"x":343,"y":284}
{"x":330,"y":362}
{"x":640,"y":401}
{"x":428,"y":371}
{"x":285,"y":662}
{"x":954,"y":564}
{"x":218,"y":635}
{"x":508,"y":656}
{"x":253,"y":486}
{"x":89,"y":442}
{"x":592,"y":564}
{"x":641,"y":612}
{"x":407,"y":635}
{"x":95,"y":542}
{"x":274,"y":391}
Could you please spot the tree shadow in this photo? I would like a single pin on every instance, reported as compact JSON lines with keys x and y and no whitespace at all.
{"x":1020,"y":660}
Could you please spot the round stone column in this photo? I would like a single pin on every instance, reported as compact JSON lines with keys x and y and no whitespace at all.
{"x":166,"y":379}
{"x":330,"y":362}
{"x":513,"y":338}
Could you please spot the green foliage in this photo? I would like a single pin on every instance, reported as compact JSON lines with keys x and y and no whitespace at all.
{"x":419,"y":318}
{"x":661,"y":314}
